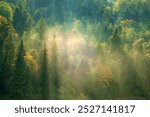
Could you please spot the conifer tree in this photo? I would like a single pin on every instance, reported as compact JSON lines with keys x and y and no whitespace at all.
{"x":42,"y":28}
{"x":54,"y":72}
{"x":7,"y":53}
{"x":21,"y":17}
{"x":6,"y":71}
{"x":44,"y":76}
{"x":116,"y":43}
{"x":22,"y":82}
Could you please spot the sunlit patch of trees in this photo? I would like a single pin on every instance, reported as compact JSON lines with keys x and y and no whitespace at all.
{"x":74,"y":49}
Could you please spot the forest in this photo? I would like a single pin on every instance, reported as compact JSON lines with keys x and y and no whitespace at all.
{"x":74,"y":49}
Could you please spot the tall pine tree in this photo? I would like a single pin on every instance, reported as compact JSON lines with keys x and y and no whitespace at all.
{"x":54,"y":72}
{"x":44,"y":76}
{"x":21,"y":17}
{"x":116,"y":42}
{"x":7,"y":53}
{"x":22,"y":80}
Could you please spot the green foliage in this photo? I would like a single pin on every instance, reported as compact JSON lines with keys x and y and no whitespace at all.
{"x":116,"y":42}
{"x":4,"y":27}
{"x":135,"y":9}
{"x":22,"y":79}
{"x":6,"y":10}
{"x":37,"y":15}
{"x":21,"y":18}
{"x":7,"y":56}
{"x":94,"y":49}
{"x":41,"y":28}
{"x":44,"y":76}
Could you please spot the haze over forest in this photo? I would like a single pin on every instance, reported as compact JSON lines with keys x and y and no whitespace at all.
{"x":74,"y":49}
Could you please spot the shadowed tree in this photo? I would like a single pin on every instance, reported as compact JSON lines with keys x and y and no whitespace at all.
{"x":6,"y":10}
{"x":21,"y":18}
{"x":7,"y":54}
{"x":22,"y":80}
{"x":44,"y":76}
{"x":54,"y":73}
{"x":41,"y":28}
{"x":116,"y":42}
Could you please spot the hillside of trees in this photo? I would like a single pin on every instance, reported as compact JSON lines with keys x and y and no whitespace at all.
{"x":74,"y":49}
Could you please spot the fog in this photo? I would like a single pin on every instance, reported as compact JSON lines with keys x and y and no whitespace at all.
{"x":74,"y":49}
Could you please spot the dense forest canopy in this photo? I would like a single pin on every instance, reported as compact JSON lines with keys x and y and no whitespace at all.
{"x":74,"y":49}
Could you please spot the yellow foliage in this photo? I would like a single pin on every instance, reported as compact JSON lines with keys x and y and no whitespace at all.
{"x":126,"y":22}
{"x":5,"y":28}
{"x":105,"y":73}
{"x":77,"y":22}
{"x":147,"y":33}
{"x":128,"y":33}
{"x":117,"y":5}
{"x":146,"y":49}
{"x":31,"y":61}
{"x":3,"y":20}
{"x":118,"y":2}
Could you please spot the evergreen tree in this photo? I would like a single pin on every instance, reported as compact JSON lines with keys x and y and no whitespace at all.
{"x":54,"y":72}
{"x":7,"y":53}
{"x":6,"y":71}
{"x":22,"y":80}
{"x":116,"y":43}
{"x":21,"y":18}
{"x":44,"y":76}
{"x":132,"y":84}
{"x":41,"y":28}
{"x":6,"y":10}
{"x":37,"y":15}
